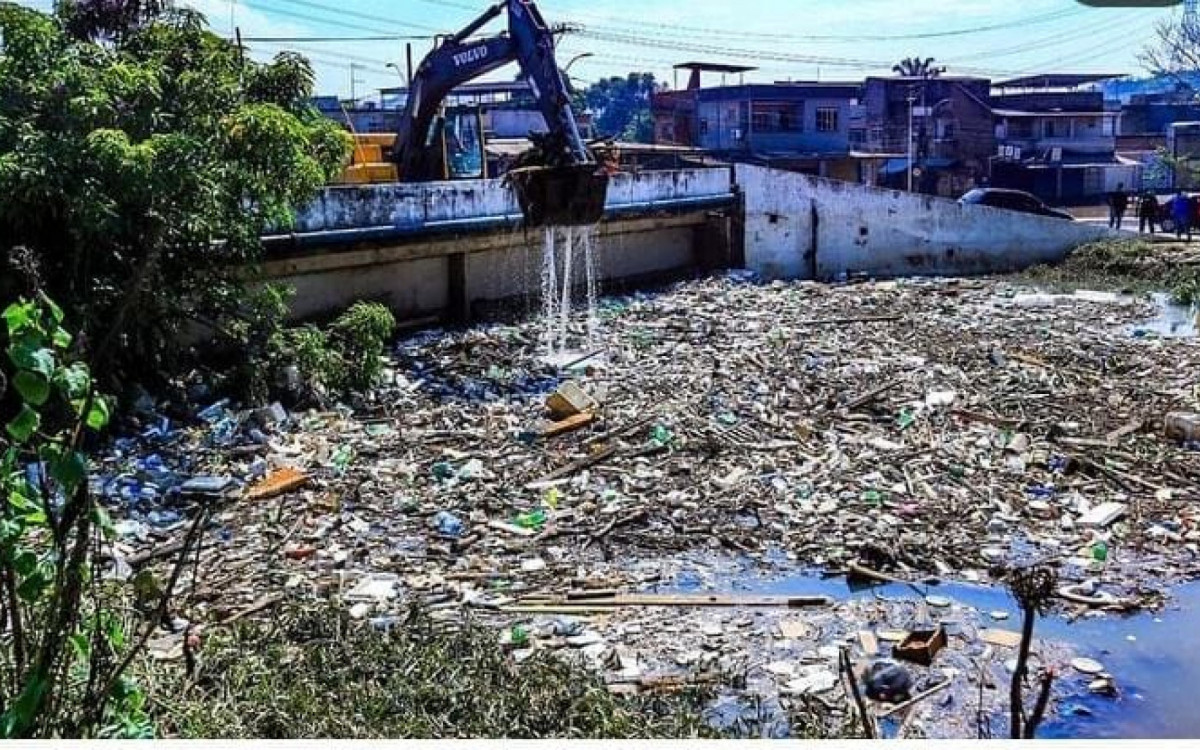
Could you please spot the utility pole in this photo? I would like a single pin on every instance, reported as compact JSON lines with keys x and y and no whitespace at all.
{"x":911,"y":99}
{"x":354,"y":81}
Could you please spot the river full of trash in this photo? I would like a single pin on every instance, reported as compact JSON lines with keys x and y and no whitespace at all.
{"x":912,"y":431}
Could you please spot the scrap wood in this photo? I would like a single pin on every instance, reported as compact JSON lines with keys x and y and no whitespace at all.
{"x":277,"y":483}
{"x":576,"y":466}
{"x":264,"y":602}
{"x":570,"y":424}
{"x":622,"y":521}
{"x":1121,"y":477}
{"x":698,"y":600}
{"x":998,"y":637}
{"x":913,"y":700}
{"x":850,"y":321}
{"x":1007,"y":422}
{"x":857,"y":569}
{"x":870,"y":396}
{"x":1116,"y":435}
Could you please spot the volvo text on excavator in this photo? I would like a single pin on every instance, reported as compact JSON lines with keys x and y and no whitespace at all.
{"x":565,"y":185}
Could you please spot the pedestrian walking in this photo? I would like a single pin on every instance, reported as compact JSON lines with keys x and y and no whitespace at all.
{"x":1118,"y":203}
{"x":1148,"y":209}
{"x":1181,"y":214}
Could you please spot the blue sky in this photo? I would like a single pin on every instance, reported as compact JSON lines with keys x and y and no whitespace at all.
{"x":786,"y":39}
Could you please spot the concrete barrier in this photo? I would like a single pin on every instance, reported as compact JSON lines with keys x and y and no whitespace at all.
{"x":438,"y":248}
{"x":804,"y":227}
{"x":416,"y":205}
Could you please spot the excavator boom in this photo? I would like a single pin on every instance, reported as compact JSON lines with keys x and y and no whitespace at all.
{"x":566,"y":186}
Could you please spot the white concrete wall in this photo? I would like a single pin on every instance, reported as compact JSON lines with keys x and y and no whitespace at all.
{"x":800,"y":227}
{"x":412,"y":289}
{"x":416,"y":204}
{"x":502,"y":274}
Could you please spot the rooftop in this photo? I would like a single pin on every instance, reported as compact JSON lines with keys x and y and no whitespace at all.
{"x":1055,"y":80}
{"x":714,"y":67}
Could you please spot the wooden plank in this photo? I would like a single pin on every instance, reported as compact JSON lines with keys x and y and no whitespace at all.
{"x":870,"y":644}
{"x":570,"y":424}
{"x":277,"y":483}
{"x":997,"y":637}
{"x":1122,"y":432}
{"x":794,"y":629}
{"x":914,"y":700}
{"x":576,"y":466}
{"x":698,"y":600}
{"x":870,"y":396}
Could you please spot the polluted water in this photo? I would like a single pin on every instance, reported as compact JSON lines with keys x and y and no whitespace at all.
{"x":568,"y":265}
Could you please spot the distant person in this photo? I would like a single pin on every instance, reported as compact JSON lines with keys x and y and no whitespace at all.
{"x":1118,"y":203}
{"x":1148,"y":209}
{"x":1181,"y":214}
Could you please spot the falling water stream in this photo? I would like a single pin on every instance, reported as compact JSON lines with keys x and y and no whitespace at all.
{"x":567,"y":253}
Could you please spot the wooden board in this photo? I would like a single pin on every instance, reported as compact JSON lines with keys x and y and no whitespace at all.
{"x":794,"y":629}
{"x":695,"y":600}
{"x":870,"y":643}
{"x":997,"y":637}
{"x":570,"y":424}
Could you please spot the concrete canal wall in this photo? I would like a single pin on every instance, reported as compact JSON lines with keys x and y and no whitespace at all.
{"x":803,"y":227}
{"x":441,"y":248}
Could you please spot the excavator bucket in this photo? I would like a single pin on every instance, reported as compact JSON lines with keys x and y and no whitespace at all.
{"x":560,"y":196}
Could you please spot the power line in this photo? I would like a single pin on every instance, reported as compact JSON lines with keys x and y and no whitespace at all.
{"x":858,"y":38}
{"x":289,"y":39}
{"x":312,"y":19}
{"x":623,"y":25}
{"x":356,"y":14}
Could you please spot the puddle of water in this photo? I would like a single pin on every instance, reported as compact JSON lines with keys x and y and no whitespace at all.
{"x":1155,"y":658}
{"x":1171,"y":321}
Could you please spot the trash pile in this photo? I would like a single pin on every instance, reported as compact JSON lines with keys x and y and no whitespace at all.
{"x":903,"y":430}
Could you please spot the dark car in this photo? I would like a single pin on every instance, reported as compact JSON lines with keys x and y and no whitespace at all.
{"x":1012,"y":200}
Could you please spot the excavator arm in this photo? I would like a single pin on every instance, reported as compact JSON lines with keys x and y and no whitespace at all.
{"x":571,"y":175}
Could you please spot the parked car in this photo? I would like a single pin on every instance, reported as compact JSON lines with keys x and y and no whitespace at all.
{"x":1012,"y":200}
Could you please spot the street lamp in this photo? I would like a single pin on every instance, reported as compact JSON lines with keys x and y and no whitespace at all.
{"x":576,"y":59}
{"x":399,"y":72}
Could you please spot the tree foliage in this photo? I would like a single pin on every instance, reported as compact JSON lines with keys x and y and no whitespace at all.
{"x":916,"y":67}
{"x":622,"y":106}
{"x":1176,"y":51}
{"x":141,"y":158}
{"x":65,"y":640}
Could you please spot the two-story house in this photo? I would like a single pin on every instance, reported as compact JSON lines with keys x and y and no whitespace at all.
{"x":803,"y":126}
{"x":1056,"y":138}
{"x":943,"y":122}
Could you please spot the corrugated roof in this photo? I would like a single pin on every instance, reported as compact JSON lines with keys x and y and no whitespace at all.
{"x":1023,"y":113}
{"x":1055,"y":80}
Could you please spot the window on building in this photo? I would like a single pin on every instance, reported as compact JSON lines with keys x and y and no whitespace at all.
{"x":1053,"y":129}
{"x":778,"y":117}
{"x":1022,"y":128}
{"x":703,"y":126}
{"x":827,"y":119}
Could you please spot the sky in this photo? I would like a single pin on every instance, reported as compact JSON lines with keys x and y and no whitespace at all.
{"x":828,"y":40}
